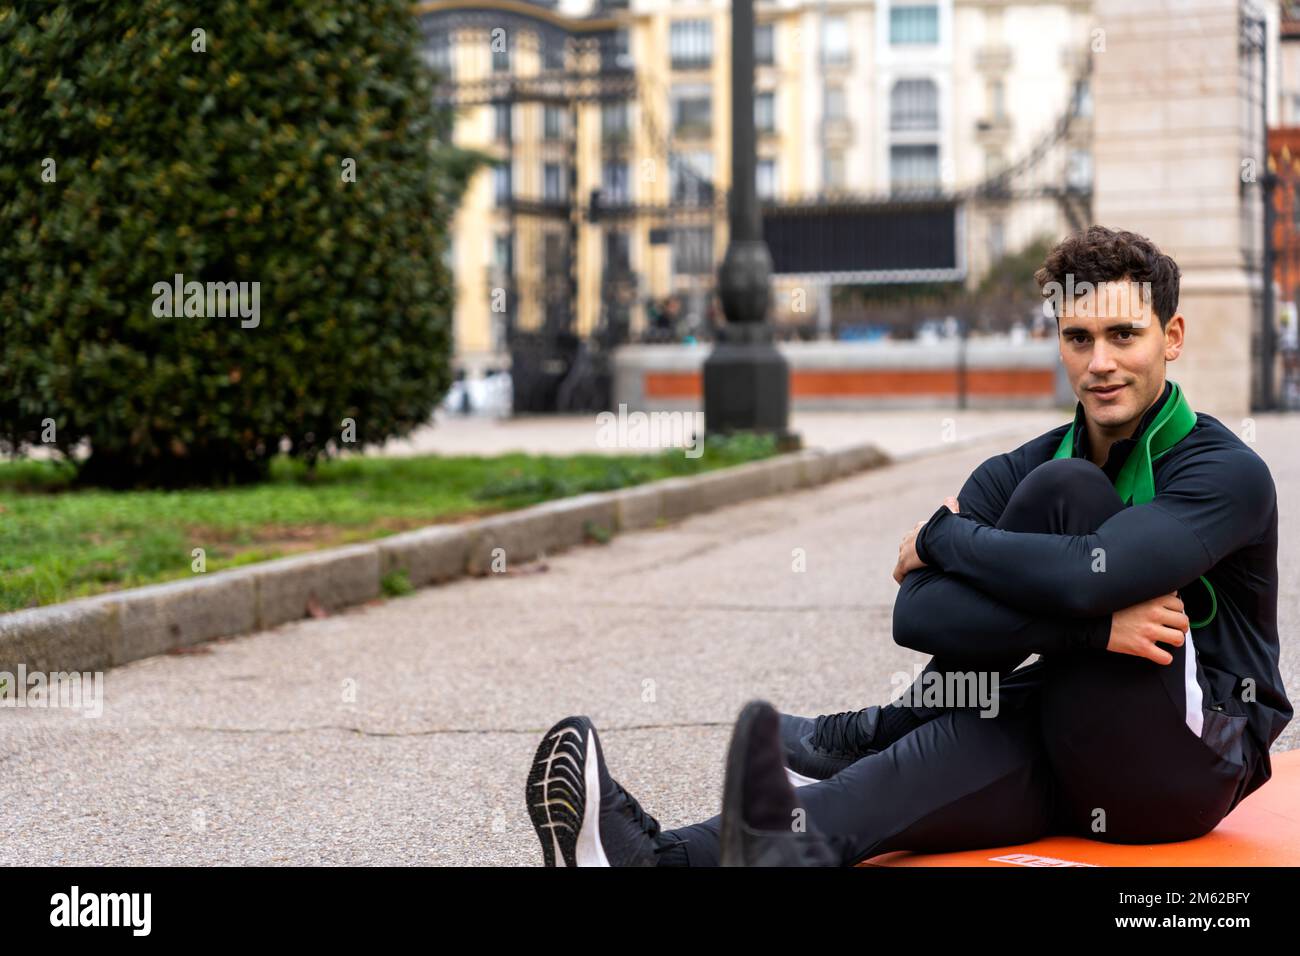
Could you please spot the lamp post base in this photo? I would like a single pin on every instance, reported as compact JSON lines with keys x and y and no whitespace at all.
{"x":747,"y":389}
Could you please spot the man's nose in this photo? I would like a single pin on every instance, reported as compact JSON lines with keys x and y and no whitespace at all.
{"x":1102,"y":361}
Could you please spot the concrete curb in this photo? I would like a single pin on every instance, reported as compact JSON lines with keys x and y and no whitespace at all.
{"x":92,"y":634}
{"x":1011,"y":431}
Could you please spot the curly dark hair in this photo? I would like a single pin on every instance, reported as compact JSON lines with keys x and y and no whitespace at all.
{"x":1098,"y":254}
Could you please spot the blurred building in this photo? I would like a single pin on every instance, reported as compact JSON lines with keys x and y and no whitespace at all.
{"x":1284,"y":165}
{"x":1287,"y":73}
{"x":898,"y":141}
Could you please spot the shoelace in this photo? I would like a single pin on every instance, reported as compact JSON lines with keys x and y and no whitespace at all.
{"x":840,"y":733}
{"x":642,"y":819}
{"x":665,"y":843}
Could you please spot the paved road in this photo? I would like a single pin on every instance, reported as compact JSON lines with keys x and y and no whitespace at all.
{"x":249,"y":752}
{"x":895,"y":431}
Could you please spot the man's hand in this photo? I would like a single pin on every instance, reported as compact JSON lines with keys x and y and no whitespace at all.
{"x":907,"y":557}
{"x":1135,"y":630}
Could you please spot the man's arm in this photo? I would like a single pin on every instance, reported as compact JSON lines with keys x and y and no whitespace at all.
{"x":938,"y":613}
{"x":1218,"y":502}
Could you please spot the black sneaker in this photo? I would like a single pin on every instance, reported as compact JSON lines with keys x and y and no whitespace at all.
{"x":817,"y":748}
{"x":581,"y":814}
{"x":762,"y":823}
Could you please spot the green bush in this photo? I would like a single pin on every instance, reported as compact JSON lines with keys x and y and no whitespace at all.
{"x":223,"y":165}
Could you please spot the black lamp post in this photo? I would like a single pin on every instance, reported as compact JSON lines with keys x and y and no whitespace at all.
{"x":746,"y":379}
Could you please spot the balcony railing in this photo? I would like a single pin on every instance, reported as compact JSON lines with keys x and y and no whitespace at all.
{"x":837,"y":129}
{"x":693,"y":130}
{"x":686,"y":61}
{"x":993,"y":58}
{"x":993,"y":129}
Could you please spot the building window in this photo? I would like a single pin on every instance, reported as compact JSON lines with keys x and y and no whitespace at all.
{"x":1081,"y":99}
{"x":997,"y":100}
{"x":503,"y":254}
{"x":914,"y":167}
{"x":554,"y":185}
{"x":553,"y":55}
{"x":765,"y":174}
{"x":618,"y":251}
{"x":614,"y":51}
{"x":692,"y":251}
{"x":835,"y":109}
{"x":613,"y":121}
{"x":690,"y":44}
{"x":501,"y":122}
{"x":914,"y":105}
{"x":616,"y":184}
{"x":501,"y":184}
{"x":437,"y":54}
{"x":690,"y":177}
{"x":765,"y":112}
{"x":552,"y":121}
{"x":914,"y":24}
{"x":765,"y":44}
{"x":692,"y":110}
{"x":834,"y":169}
{"x":1078,"y":169}
{"x":993,"y":163}
{"x":835,"y":40}
{"x":501,"y":55}
{"x":553,"y":254}
{"x":997,"y":240}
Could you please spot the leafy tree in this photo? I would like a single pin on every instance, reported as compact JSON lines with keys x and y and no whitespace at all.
{"x":217,"y":141}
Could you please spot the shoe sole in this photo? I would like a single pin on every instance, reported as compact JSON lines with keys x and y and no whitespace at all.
{"x":732,"y":843}
{"x":782,"y":848}
{"x":563,"y":795}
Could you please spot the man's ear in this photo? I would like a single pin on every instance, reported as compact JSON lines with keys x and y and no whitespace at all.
{"x":1174,"y":337}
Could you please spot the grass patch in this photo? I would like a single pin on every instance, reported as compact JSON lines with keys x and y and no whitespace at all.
{"x":59,"y":542}
{"x":396,"y":583}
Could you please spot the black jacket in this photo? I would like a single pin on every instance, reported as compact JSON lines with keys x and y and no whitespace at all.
{"x":1214,"y":514}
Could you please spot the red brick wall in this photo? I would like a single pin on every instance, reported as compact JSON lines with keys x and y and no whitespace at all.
{"x":874,"y":383}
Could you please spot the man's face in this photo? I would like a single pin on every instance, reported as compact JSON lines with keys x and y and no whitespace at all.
{"x":1115,"y":351}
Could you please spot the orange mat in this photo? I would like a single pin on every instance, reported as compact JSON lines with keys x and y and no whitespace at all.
{"x":1263,"y":830}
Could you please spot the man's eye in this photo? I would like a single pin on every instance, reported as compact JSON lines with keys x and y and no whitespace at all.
{"x":1128,"y":335}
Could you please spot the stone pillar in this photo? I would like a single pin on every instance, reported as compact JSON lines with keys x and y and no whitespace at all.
{"x":1174,"y":119}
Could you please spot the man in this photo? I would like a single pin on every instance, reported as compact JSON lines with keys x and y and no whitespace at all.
{"x":1134,"y":549}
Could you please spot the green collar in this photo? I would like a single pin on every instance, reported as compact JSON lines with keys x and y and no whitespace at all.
{"x":1136,"y":480}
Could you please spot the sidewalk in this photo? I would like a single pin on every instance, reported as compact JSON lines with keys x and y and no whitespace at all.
{"x":896,"y":432}
{"x":251,"y":752}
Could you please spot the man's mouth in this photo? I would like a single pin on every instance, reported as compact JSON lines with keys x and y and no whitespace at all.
{"x":1107,"y":391}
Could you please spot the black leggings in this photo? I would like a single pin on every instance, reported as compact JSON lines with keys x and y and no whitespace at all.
{"x":1090,"y":743}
